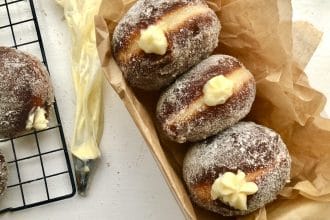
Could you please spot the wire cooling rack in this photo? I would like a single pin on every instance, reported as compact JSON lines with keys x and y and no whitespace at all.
{"x":38,"y":162}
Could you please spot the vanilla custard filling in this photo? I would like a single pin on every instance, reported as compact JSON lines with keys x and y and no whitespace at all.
{"x":153,"y":40}
{"x":37,"y":119}
{"x":233,"y":189}
{"x":217,"y":90}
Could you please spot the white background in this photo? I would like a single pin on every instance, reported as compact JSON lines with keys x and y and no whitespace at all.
{"x":128,"y":184}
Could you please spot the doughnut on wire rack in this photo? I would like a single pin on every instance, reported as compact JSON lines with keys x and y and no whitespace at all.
{"x":38,"y":161}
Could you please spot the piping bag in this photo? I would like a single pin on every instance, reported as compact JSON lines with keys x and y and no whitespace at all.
{"x":88,"y":82}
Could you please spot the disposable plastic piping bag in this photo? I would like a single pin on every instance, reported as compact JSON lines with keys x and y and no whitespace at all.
{"x":88,"y":82}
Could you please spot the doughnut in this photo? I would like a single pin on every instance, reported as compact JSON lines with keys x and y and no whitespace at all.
{"x":3,"y":174}
{"x":158,"y":40}
{"x":237,"y":171}
{"x":213,"y":95}
{"x":26,"y":93}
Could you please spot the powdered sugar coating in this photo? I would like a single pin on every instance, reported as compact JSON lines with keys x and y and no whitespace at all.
{"x":3,"y":174}
{"x":203,"y":121}
{"x":189,"y":43}
{"x":147,"y":11}
{"x":254,"y":149}
{"x":24,"y":85}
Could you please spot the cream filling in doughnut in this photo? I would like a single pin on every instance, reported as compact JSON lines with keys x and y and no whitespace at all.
{"x":153,"y":40}
{"x":37,"y":119}
{"x":239,"y":77}
{"x":233,"y":189}
{"x":167,"y":23}
{"x":217,"y":90}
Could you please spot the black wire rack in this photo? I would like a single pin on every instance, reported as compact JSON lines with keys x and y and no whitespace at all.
{"x":38,"y":161}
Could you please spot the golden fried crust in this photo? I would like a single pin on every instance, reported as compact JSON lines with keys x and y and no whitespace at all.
{"x":192,"y":31}
{"x":203,"y":188}
{"x":24,"y":85}
{"x":253,"y":149}
{"x":184,"y":116}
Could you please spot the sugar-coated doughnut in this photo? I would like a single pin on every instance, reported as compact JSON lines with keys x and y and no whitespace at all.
{"x":3,"y":174}
{"x":247,"y":148}
{"x":213,"y":95}
{"x":175,"y":34}
{"x":26,"y":93}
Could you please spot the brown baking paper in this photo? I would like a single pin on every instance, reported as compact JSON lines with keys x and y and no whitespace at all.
{"x":276,"y":50}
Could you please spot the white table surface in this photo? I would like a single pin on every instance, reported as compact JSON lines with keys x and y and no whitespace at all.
{"x":128,"y":184}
